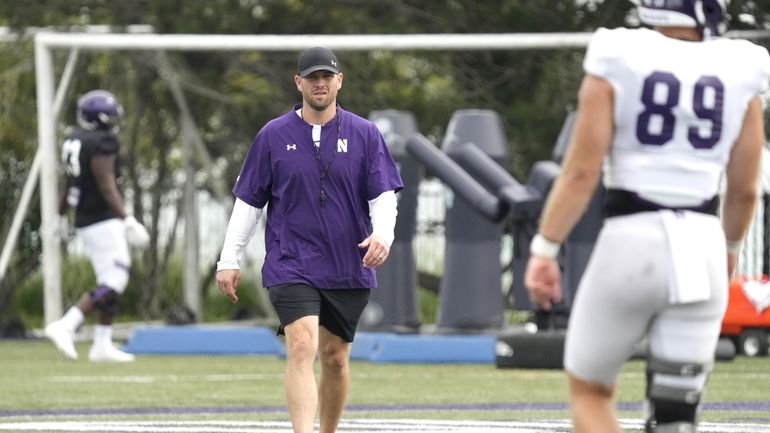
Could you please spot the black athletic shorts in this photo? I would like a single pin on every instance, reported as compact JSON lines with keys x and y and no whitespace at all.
{"x":338,"y":310}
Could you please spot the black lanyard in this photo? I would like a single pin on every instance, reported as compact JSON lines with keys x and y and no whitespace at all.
{"x":323,"y":170}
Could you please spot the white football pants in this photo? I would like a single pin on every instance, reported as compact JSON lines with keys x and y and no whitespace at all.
{"x":627,"y":293}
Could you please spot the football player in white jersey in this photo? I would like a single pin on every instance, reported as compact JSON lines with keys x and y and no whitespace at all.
{"x":90,"y":157}
{"x":664,"y":114}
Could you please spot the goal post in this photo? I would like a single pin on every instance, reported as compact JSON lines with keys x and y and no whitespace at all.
{"x":46,"y":42}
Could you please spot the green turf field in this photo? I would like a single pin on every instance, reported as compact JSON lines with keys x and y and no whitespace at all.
{"x":36,"y":383}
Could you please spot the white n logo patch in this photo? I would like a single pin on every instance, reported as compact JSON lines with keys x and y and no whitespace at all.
{"x":342,"y":145}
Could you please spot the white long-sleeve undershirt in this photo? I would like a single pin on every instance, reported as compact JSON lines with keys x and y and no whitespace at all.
{"x":243,"y":223}
{"x":382,"y":212}
{"x":240,"y":229}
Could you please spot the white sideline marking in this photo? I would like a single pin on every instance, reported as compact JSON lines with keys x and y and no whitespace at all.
{"x":349,"y":426}
{"x":172,"y":378}
{"x":164,"y":378}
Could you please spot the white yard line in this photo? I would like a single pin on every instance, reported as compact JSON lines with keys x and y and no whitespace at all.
{"x":348,"y":426}
{"x":164,"y":378}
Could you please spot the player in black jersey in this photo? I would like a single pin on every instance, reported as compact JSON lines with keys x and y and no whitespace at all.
{"x":90,"y":157}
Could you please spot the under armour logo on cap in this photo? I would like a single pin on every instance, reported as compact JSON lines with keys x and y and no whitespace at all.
{"x":317,"y":59}
{"x":291,"y":147}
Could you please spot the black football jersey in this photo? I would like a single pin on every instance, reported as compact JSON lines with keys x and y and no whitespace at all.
{"x":78,"y":149}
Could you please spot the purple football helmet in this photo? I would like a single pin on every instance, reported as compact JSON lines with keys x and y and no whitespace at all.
{"x":98,"y":109}
{"x":708,"y":16}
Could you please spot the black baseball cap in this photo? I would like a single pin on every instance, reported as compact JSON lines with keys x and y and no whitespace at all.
{"x":317,"y":59}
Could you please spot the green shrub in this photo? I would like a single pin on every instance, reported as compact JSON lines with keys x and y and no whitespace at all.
{"x":78,"y":278}
{"x":428,"y":305}
{"x":217,"y":307}
{"x":27,"y":302}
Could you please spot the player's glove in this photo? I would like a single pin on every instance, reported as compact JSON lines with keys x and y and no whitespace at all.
{"x":62,"y":228}
{"x":136,"y":234}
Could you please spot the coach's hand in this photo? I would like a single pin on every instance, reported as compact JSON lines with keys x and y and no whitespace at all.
{"x":543,"y":280}
{"x":376,"y":253}
{"x":227,"y":282}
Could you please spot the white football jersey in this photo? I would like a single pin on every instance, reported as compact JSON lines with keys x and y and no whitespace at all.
{"x":679,"y":107}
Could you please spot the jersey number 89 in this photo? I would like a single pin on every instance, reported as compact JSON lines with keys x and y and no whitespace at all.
{"x":706,"y":104}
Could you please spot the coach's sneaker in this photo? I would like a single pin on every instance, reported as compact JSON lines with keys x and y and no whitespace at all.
{"x":108,"y":353}
{"x":63,"y":339}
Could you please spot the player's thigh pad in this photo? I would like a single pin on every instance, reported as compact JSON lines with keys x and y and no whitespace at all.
{"x":623,"y":287}
{"x":107,"y":248}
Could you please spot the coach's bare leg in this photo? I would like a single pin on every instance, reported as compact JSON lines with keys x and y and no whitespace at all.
{"x":301,"y":389}
{"x":593,"y":408}
{"x":334,"y":353}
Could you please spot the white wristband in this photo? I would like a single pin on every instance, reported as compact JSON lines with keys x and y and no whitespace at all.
{"x":733,"y":246}
{"x":542,"y":247}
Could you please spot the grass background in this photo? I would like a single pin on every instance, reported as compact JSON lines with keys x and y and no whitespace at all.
{"x":33,"y":376}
